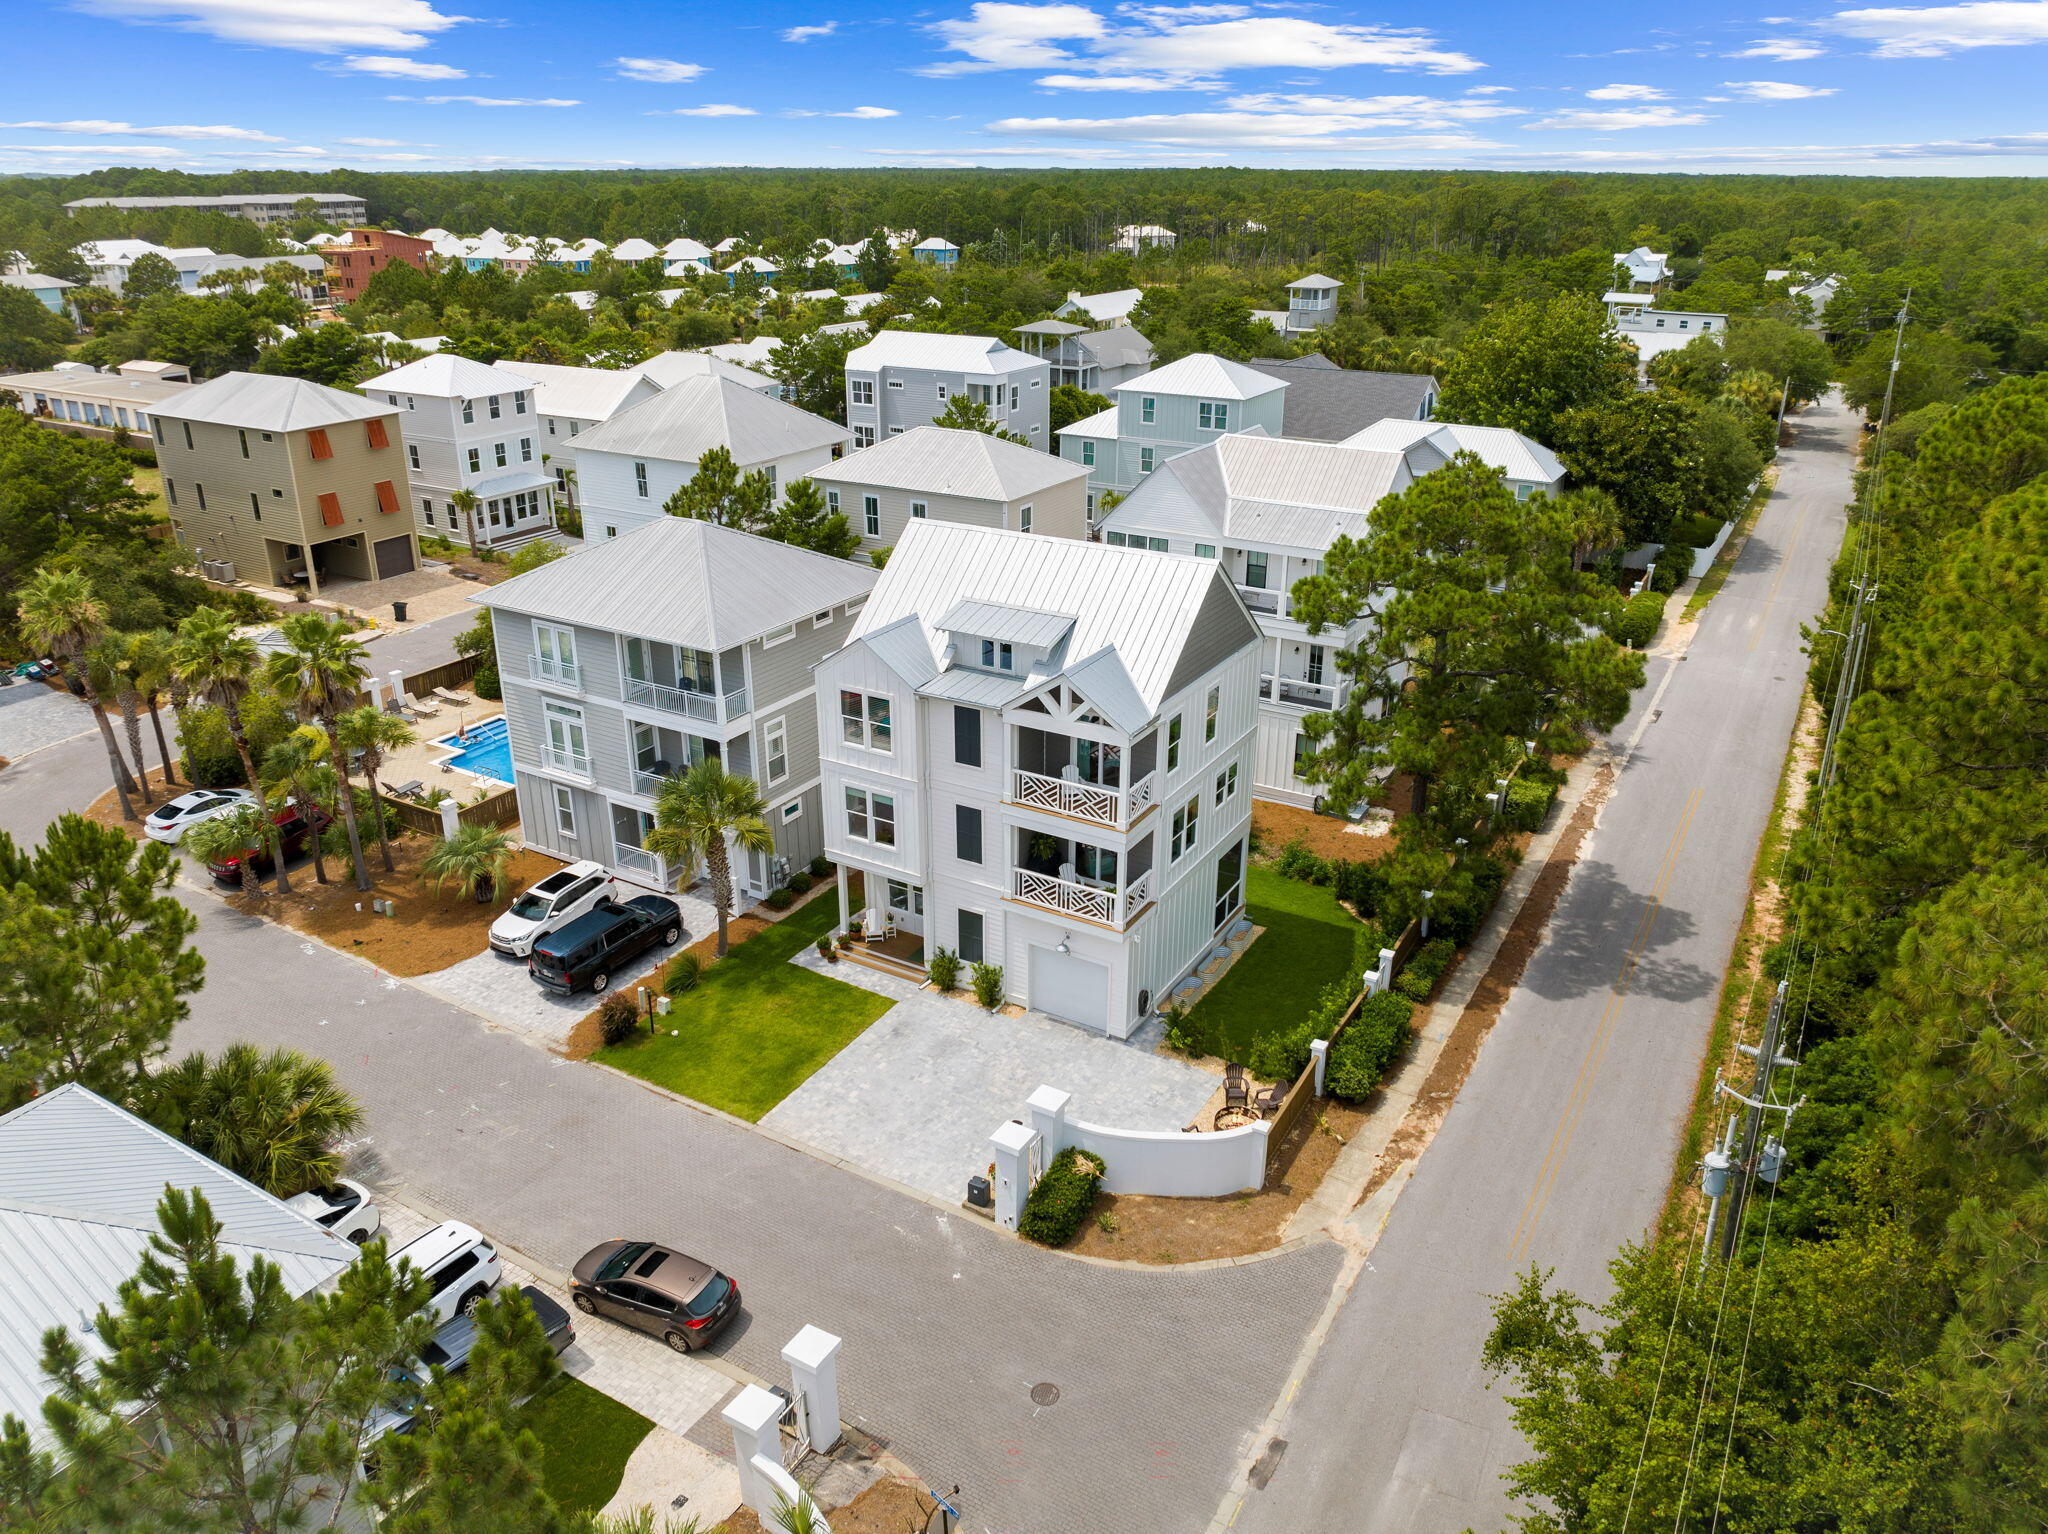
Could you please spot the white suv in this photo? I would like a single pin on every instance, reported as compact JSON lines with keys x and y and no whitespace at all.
{"x":461,"y":1267}
{"x":346,"y":1209}
{"x":554,"y":902}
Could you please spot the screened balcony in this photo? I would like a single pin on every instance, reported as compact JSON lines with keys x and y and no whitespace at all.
{"x":675,"y":679}
{"x":1082,"y":778}
{"x":1076,"y":878}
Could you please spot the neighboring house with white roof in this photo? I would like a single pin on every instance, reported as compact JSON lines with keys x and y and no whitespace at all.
{"x":728,"y":245}
{"x":80,"y":1181}
{"x":666,"y":368}
{"x":568,"y":401}
{"x":1311,"y":302}
{"x":1267,"y":510}
{"x":631,"y":660}
{"x":1818,"y":292}
{"x":1526,"y":466}
{"x":635,"y":249}
{"x":756,"y":268}
{"x":683,"y":251}
{"x":1653,"y":331}
{"x":1643,"y":267}
{"x":1036,"y":753}
{"x":472,"y":426}
{"x":627,"y":468}
{"x":1137,"y":237}
{"x":944,"y":474}
{"x":1095,"y":360}
{"x":904,"y":378}
{"x":936,"y":252}
{"x":1171,"y":410}
{"x":51,"y":292}
{"x":79,"y":394}
{"x":758,"y":354}
{"x":1100,"y":309}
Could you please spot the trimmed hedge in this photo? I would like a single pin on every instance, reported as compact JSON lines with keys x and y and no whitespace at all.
{"x":1420,"y":974}
{"x":1060,"y":1202}
{"x":778,"y":900}
{"x":1362,"y":1054}
{"x":1529,"y":801}
{"x":1696,"y":530}
{"x":800,"y":883}
{"x":1639,"y":619}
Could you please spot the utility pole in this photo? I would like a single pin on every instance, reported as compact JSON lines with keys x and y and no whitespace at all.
{"x":1758,"y":1101}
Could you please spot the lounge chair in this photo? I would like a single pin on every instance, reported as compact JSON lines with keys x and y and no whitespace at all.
{"x":425,"y":706}
{"x":450,"y":697}
{"x":410,"y":790}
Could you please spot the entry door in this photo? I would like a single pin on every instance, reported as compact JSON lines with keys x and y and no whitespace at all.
{"x":1070,"y":988}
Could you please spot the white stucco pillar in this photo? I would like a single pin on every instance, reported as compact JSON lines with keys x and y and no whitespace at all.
{"x":845,"y":914}
{"x":1319,"y":1056}
{"x":1012,"y":1145}
{"x":813,"y":1359}
{"x":398,"y":688}
{"x":451,"y":817}
{"x":1382,"y":977}
{"x":754,"y":1417}
{"x":1048,"y":1108}
{"x":375,"y":689}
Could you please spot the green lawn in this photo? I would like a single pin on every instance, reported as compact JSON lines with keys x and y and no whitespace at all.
{"x":151,"y":483}
{"x":758,"y":1026}
{"x":586,"y":1438}
{"x":1306,"y":947}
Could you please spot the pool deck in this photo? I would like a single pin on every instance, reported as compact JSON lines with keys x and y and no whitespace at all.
{"x":429,"y":758}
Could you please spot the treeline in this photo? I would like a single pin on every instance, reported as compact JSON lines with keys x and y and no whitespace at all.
{"x":1873,"y":1359}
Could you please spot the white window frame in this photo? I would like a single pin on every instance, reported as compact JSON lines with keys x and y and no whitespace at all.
{"x":565,"y":809}
{"x":1024,"y":519}
{"x":775,"y":744}
{"x":1186,"y":830}
{"x":861,"y":726}
{"x":1148,"y":410}
{"x":862,"y":810}
{"x":918,"y":510}
{"x":791,"y":811}
{"x":871,"y":515}
{"x":1210,"y":709}
{"x":640,"y":479}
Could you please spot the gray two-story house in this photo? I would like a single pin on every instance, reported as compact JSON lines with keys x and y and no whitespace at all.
{"x":635,"y":658}
{"x":904,"y":378}
{"x":946,"y":474}
{"x":1169,"y":411}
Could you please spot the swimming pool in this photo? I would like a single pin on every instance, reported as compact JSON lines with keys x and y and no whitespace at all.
{"x":485,"y":751}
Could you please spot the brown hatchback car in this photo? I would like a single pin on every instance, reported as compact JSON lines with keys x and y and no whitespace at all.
{"x":657,"y":1289}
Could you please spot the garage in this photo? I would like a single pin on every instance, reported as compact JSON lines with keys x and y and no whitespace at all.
{"x":394,"y":557}
{"x":1070,"y":988}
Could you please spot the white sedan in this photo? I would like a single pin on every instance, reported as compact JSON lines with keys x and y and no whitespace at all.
{"x":169,"y":821}
{"x":345,"y":1209}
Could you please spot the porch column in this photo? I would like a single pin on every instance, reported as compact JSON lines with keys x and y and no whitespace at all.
{"x":1012,"y":1145}
{"x":845,"y":913}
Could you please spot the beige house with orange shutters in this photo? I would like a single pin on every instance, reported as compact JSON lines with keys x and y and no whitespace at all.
{"x":288,"y":482}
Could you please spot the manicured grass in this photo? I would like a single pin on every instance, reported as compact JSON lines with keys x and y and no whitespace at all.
{"x":586,"y":1438}
{"x":758,"y":1026}
{"x":151,"y":483}
{"x":1306,"y":947}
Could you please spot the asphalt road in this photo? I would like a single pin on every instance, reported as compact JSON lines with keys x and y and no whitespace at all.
{"x":1560,"y":1146}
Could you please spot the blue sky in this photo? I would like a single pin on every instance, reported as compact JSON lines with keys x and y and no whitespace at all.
{"x":418,"y":84}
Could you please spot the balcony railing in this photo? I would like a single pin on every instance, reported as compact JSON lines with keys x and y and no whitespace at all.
{"x":680,"y":700}
{"x":1259,"y":599}
{"x":1298,"y":691}
{"x":543,"y":668}
{"x":1111,"y":907}
{"x":1105,"y":806}
{"x":648,"y":783}
{"x":640,"y":860}
{"x":577,"y":762}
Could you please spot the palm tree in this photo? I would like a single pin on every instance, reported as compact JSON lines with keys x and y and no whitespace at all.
{"x":464,"y":501}
{"x":220,"y":664}
{"x":110,"y":661}
{"x":696,"y":814}
{"x":296,"y":772}
{"x":322,"y":668}
{"x":234,"y":835}
{"x":370,"y":732}
{"x":273,"y":1118}
{"x":151,"y":653}
{"x":59,"y":614}
{"x":478,"y":858}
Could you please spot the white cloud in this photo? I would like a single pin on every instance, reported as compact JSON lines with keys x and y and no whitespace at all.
{"x":805,"y":34}
{"x":102,"y":128}
{"x":1110,"y":83}
{"x":1914,"y":32}
{"x":657,"y":71}
{"x":1490,"y":90}
{"x":1775,"y":90}
{"x":315,"y":26}
{"x":1625,"y":93}
{"x":713,"y":109}
{"x":1785,"y":50}
{"x":375,"y":143}
{"x":126,"y":151}
{"x":388,"y":67}
{"x":489,"y":101}
{"x":998,"y":35}
{"x":1379,"y":111}
{"x":866,"y":114}
{"x":1623,"y":118}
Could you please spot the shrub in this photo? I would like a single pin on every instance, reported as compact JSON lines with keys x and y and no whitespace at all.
{"x":1359,"y":885}
{"x":1639,"y":619}
{"x":800,"y":883}
{"x":1280,"y":1056}
{"x":1697,"y":530}
{"x":944,"y":968}
{"x":1460,"y":910}
{"x":1528,"y":802}
{"x":879,"y":557}
{"x":1064,"y":1195}
{"x":820,"y":866}
{"x":1674,"y":566}
{"x":988,"y":985}
{"x":1297,"y":862}
{"x":685,"y":974}
{"x":1360,"y":1056}
{"x":1419,"y":976}
{"x":618,"y":1018}
{"x":485,"y":683}
{"x":1177,"y":1035}
{"x":778,"y":900}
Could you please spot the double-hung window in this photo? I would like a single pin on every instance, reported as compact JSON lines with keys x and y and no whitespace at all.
{"x":1023,"y":519}
{"x":498,"y":452}
{"x":832,"y":503}
{"x":640,"y":480}
{"x":1148,"y":410}
{"x":871,"y":515}
{"x":1255,"y":569}
{"x":864,"y":719}
{"x":1087,"y":453}
{"x":871,"y":817}
{"x":496,"y":412}
{"x":1173,"y":744}
{"x":1213,"y":416}
{"x":476,"y":462}
{"x":1147,"y":458}
{"x":776,"y":740}
{"x":469,"y":412}
{"x":1186,"y":828}
{"x":1209,"y":712}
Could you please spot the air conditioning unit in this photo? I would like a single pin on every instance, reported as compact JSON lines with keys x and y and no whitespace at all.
{"x":778,"y":869}
{"x":221,"y":571}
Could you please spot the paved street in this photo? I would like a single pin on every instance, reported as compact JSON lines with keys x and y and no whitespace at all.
{"x":1559,"y":1147}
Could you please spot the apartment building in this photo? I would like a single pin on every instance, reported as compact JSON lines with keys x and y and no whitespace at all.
{"x":289,"y":483}
{"x":634,"y":659}
{"x":627,"y":468}
{"x":472,"y":426}
{"x":366,"y":252}
{"x":904,"y":378}
{"x":257,"y":207}
{"x":1266,"y":510}
{"x":79,"y":394}
{"x":1036,"y":752}
{"x":944,"y":474}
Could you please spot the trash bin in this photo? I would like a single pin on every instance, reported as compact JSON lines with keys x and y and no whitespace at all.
{"x":979,"y":1195}
{"x":398,"y":612}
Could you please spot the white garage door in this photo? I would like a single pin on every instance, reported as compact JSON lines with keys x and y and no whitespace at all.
{"x":1070,"y":988}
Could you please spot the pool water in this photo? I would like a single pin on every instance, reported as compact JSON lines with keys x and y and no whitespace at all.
{"x":485,"y":751}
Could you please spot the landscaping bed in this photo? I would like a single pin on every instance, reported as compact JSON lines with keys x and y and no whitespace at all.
{"x":1327,"y":836}
{"x":586,"y":1438}
{"x":755,"y":1027}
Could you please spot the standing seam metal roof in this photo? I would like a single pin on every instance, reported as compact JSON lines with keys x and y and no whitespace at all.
{"x":264,"y":402}
{"x":693,"y":415}
{"x":944,"y":460}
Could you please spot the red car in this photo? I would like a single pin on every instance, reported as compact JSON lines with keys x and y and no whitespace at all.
{"x":292,"y":831}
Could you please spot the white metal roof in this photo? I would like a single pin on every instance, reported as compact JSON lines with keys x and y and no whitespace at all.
{"x":682,"y":581}
{"x":995,"y":620}
{"x":114,"y":388}
{"x":1100,"y":424}
{"x":1315,"y":280}
{"x":944,"y":460}
{"x":1248,"y":489}
{"x":1206,"y":375}
{"x":935,"y":243}
{"x":1142,"y":606}
{"x":683,"y":248}
{"x":268,"y":403}
{"x":666,"y":368}
{"x":444,"y":375}
{"x":693,"y":415}
{"x":1516,"y":456}
{"x":635,"y":249}
{"x":940,"y":353}
{"x":1103,"y":307}
{"x":34,"y":280}
{"x":79,"y":1184}
{"x":584,"y":394}
{"x":756,"y":353}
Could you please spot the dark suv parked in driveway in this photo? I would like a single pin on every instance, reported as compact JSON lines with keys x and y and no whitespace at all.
{"x":596,"y":946}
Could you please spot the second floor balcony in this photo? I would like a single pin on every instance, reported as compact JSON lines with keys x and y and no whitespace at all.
{"x":1324,"y":693}
{"x":554,"y":668}
{"x":1260,"y":600}
{"x":1078,"y":879}
{"x":1084,"y":779}
{"x":691,"y":684}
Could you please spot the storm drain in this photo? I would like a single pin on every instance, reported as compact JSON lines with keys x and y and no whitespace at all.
{"x":1044,"y":1394}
